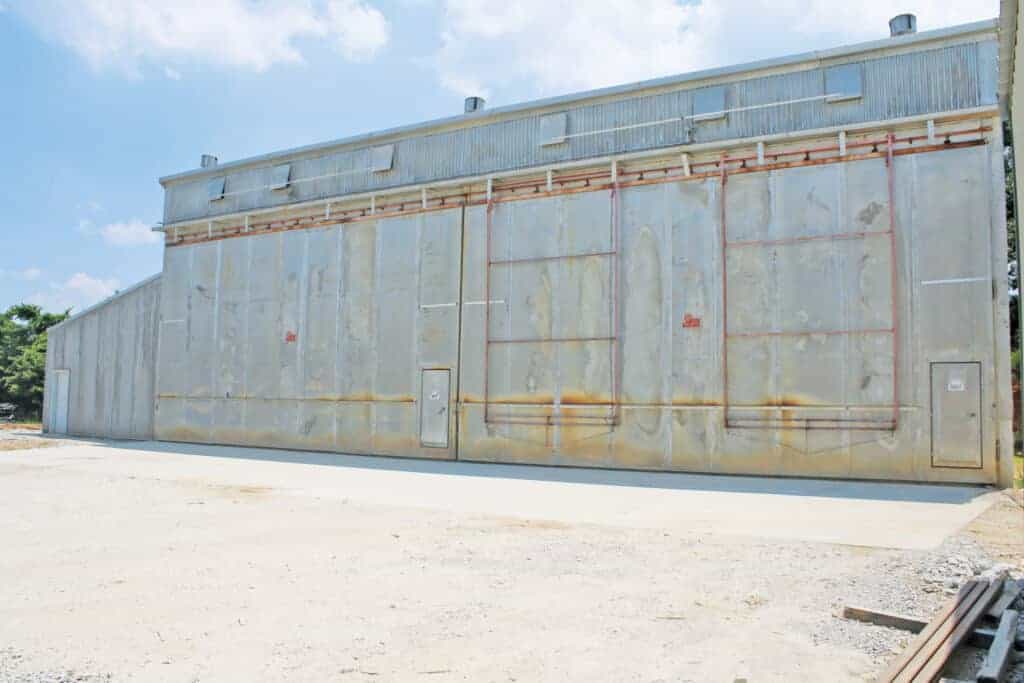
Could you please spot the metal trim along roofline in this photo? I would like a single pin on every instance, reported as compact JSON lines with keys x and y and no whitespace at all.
{"x":979,"y":112}
{"x":99,"y":304}
{"x":491,"y":115}
{"x":1008,"y":10}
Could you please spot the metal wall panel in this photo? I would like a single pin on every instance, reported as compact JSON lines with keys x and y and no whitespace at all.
{"x":940,"y":79}
{"x":670,"y":412}
{"x":312,"y":339}
{"x":109,"y":353}
{"x":956,"y":415}
{"x":319,"y":338}
{"x":435,"y":393}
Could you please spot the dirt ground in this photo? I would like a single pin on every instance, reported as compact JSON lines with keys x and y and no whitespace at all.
{"x":195,"y":569}
{"x":21,"y":435}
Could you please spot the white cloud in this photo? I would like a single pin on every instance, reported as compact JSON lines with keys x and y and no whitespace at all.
{"x":172,"y":74}
{"x":360,"y":30}
{"x":129,"y":234}
{"x":250,"y":34}
{"x":546,"y":47}
{"x":79,"y":291}
{"x":28,"y":274}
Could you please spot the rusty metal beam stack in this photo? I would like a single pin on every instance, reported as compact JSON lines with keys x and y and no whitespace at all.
{"x":927,"y":655}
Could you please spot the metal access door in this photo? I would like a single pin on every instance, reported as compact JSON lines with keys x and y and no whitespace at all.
{"x":956,"y":414}
{"x":434,"y":391}
{"x":59,"y":409}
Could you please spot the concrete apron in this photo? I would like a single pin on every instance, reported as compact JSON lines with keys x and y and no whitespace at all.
{"x":874,"y":514}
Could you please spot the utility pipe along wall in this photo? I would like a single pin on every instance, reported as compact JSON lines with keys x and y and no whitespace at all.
{"x":835,"y":319}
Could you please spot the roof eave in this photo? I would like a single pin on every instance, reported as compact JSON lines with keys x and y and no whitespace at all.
{"x":490,"y":115}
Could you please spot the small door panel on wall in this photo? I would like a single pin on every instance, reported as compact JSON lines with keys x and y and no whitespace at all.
{"x":59,"y":403}
{"x":434,"y":392}
{"x":956,"y":415}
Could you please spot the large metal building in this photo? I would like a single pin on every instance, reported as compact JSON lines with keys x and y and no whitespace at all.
{"x":795,"y":267}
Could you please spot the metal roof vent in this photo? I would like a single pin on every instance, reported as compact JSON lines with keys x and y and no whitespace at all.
{"x":474,"y":104}
{"x":207,"y":161}
{"x":902,"y":24}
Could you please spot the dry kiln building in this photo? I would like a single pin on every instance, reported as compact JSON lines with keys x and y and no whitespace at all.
{"x":793,"y":267}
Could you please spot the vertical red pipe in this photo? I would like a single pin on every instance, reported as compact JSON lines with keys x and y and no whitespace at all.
{"x":614,"y":296}
{"x":723,"y":178}
{"x":487,"y":310}
{"x":891,"y":171}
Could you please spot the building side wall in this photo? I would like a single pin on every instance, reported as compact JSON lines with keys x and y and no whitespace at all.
{"x":589,"y":328}
{"x":1016,"y":111}
{"x":672,"y":412}
{"x":313,"y":339}
{"x":110,"y":355}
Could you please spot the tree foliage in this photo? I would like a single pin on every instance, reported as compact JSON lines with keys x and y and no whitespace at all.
{"x":23,"y":355}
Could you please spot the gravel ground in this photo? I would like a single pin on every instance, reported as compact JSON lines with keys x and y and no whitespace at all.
{"x":919,"y":584}
{"x":11,"y":669}
{"x":15,"y":437}
{"x":110,"y":576}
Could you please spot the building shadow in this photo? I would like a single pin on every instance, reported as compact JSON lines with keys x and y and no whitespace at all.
{"x":952,"y":494}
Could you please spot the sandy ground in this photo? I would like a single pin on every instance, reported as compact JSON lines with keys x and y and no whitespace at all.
{"x":159,"y":562}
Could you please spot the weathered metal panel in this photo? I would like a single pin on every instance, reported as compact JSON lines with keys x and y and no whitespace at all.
{"x":109,"y":352}
{"x":837,"y":286}
{"x":313,"y":339}
{"x":941,"y":79}
{"x":956,"y":415}
{"x":435,"y":403}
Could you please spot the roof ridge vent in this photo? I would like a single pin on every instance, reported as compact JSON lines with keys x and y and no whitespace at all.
{"x":474,"y":104}
{"x":902,"y":24}
{"x":207,"y":161}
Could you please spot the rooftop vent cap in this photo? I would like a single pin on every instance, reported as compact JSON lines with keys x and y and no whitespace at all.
{"x":902,"y":24}
{"x":474,"y":104}
{"x":207,"y":161}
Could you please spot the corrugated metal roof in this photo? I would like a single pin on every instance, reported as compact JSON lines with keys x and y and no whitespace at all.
{"x":937,"y":71}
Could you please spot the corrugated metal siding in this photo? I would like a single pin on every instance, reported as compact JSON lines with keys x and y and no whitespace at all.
{"x":930,"y":81}
{"x":109,"y":352}
{"x":318,"y":339}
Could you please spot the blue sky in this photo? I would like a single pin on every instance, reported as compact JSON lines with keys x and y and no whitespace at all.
{"x":102,"y":97}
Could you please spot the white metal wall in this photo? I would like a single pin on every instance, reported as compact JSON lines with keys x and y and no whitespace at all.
{"x":109,"y":352}
{"x":318,"y":338}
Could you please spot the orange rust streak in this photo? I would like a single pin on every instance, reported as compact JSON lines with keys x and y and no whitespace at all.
{"x":809,"y":238}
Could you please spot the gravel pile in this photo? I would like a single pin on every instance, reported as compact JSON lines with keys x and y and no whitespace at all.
{"x":915,"y":584}
{"x":15,"y":669}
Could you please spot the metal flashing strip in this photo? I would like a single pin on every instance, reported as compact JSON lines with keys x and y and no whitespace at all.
{"x":587,"y":182}
{"x":685,"y":152}
{"x":712,"y":115}
{"x":954,"y":281}
{"x":113,"y":297}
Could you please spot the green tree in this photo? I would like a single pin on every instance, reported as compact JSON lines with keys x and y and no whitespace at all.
{"x":23,"y":355}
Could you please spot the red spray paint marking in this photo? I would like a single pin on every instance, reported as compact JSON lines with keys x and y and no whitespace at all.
{"x":291,"y":337}
{"x":690,"y":321}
